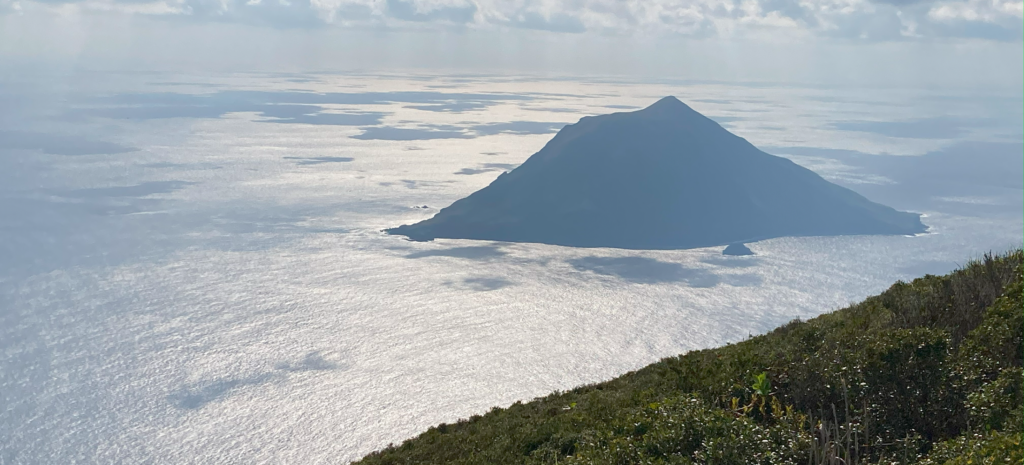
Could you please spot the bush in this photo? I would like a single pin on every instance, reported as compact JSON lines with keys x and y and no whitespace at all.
{"x":928,"y":371}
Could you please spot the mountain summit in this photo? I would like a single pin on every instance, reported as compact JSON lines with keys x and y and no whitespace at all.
{"x":665,"y":177}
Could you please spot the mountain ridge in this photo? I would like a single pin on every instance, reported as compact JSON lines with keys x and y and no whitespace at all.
{"x":663,"y":177}
{"x":927,"y":372}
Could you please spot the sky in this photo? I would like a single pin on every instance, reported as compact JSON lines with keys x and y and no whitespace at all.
{"x":931,"y":43}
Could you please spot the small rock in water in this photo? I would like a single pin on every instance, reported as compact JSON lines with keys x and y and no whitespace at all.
{"x":737,"y":249}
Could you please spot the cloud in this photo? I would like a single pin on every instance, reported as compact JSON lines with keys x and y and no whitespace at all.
{"x":994,"y":19}
{"x":555,"y":23}
{"x":976,"y":11}
{"x":288,"y":14}
{"x":425,"y":11}
{"x":903,"y":3}
{"x":852,"y":19}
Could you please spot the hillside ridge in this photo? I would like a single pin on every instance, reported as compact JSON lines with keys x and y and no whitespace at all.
{"x":927,"y":372}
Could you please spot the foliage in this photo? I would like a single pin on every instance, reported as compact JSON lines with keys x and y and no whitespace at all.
{"x":927,"y":372}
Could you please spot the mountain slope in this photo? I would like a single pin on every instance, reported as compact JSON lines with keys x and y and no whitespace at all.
{"x":664,"y":177}
{"x":927,"y":372}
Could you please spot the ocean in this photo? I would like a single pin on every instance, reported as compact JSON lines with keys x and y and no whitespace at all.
{"x":192,"y":268}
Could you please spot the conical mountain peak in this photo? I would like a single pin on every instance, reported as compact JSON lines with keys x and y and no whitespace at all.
{"x":671,"y":108}
{"x":664,"y":177}
{"x":668,"y":102}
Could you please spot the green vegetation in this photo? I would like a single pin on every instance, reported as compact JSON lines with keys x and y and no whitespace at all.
{"x":928,"y":372}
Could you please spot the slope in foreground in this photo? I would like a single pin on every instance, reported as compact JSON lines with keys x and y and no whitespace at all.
{"x":927,"y":373}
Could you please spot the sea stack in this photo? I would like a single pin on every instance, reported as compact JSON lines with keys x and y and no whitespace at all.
{"x":737,"y":250}
{"x":664,"y":177}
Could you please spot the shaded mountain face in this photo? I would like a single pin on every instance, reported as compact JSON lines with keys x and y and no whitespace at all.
{"x":737,"y":249}
{"x":664,"y":177}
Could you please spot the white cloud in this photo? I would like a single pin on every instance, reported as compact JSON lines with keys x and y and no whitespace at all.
{"x":769,"y":19}
{"x":990,"y":11}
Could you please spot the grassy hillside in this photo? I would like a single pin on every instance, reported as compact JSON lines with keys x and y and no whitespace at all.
{"x":928,"y":372}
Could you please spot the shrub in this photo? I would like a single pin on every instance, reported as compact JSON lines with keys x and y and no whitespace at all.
{"x":928,"y":371}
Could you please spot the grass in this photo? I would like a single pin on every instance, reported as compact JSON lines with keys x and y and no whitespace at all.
{"x":928,"y":372}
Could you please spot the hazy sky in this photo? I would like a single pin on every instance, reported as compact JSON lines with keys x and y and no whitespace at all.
{"x":897,"y":42}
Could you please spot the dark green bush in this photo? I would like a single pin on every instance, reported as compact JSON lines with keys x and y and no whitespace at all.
{"x":928,"y":371}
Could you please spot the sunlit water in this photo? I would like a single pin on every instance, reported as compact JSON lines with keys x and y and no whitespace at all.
{"x":205,"y":281}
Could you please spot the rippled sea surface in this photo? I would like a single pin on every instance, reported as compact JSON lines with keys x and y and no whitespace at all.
{"x":192,"y":268}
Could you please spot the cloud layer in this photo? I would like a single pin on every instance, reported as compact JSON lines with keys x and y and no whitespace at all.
{"x":855,"y":19}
